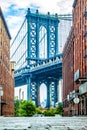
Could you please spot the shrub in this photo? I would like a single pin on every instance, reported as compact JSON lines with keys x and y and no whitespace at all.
{"x":16,"y":107}
{"x":49,"y":113}
{"x":27,"y":108}
{"x":38,"y":111}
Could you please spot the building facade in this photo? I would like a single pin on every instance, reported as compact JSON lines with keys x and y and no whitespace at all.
{"x":68,"y":71}
{"x":80,"y":54}
{"x":6,"y":70}
{"x":77,"y":97}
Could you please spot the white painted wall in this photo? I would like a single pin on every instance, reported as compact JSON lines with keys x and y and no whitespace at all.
{"x":21,"y":92}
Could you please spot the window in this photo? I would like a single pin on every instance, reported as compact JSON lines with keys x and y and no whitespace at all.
{"x":86,"y":8}
{"x":0,"y":55}
{"x":85,"y":32}
{"x":86,"y":11}
{"x":0,"y":41}
{"x":0,"y":30}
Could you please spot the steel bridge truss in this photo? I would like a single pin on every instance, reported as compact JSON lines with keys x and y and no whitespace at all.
{"x":35,"y":50}
{"x":48,"y":71}
{"x":35,"y":23}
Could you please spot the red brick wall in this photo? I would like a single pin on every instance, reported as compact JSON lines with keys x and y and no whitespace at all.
{"x":8,"y":92}
{"x":80,"y":42}
{"x":5,"y":72}
{"x":68,"y":59}
{"x":73,"y":53}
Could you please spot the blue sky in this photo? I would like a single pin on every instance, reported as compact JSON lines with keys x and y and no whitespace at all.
{"x":15,"y":10}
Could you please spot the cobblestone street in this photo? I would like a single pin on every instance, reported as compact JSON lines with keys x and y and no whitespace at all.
{"x":43,"y":123}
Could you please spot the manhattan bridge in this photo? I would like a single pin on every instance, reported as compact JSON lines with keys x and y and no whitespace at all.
{"x":36,"y":49}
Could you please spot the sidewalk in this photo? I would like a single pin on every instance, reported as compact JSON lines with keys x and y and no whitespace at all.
{"x":43,"y":123}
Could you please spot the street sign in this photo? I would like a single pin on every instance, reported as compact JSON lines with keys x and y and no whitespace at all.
{"x":76,"y":100}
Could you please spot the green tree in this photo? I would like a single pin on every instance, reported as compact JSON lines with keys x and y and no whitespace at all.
{"x":27,"y":108}
{"x":59,"y":109}
{"x":16,"y":107}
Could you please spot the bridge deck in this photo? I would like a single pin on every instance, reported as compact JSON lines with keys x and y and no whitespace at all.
{"x":41,"y":70}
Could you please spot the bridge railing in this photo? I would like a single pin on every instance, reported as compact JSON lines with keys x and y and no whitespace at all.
{"x":39,"y":65}
{"x":46,"y":63}
{"x":21,"y":71}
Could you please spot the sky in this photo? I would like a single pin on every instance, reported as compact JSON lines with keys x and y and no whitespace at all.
{"x":15,"y":10}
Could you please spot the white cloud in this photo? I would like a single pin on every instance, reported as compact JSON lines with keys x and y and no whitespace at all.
{"x":44,"y":6}
{"x":57,"y":6}
{"x":14,"y":23}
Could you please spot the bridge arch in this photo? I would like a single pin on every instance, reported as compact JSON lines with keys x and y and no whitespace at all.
{"x":43,"y":95}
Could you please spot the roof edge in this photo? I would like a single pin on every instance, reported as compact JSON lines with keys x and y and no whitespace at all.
{"x":5,"y":24}
{"x":74,"y":4}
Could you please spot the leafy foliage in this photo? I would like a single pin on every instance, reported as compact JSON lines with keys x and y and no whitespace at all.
{"x":59,"y":109}
{"x":27,"y":108}
{"x":24,"y":108}
{"x":16,"y":107}
{"x":38,"y":111}
{"x":52,"y":112}
{"x":49,"y":113}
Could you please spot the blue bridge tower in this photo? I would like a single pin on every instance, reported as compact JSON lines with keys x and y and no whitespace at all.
{"x":35,"y":50}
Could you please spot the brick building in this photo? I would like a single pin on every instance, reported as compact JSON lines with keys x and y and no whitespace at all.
{"x":68,"y":71}
{"x":77,"y":98}
{"x":80,"y":53}
{"x":6,"y":71}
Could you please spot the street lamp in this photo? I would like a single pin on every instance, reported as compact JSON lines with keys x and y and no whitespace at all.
{"x":1,"y":94}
